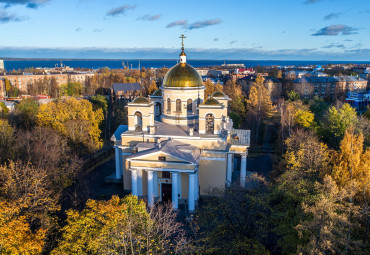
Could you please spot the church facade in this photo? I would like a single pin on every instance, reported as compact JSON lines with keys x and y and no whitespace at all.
{"x":178,"y":144}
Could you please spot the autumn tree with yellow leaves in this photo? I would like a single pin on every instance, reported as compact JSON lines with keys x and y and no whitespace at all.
{"x":352,"y":163}
{"x":211,"y":88}
{"x":16,"y":236}
{"x":74,"y":119}
{"x":259,"y":104}
{"x":122,"y":226}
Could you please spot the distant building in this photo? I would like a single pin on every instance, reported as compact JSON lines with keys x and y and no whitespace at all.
{"x":359,"y":101}
{"x":2,"y":87}
{"x":328,"y":87}
{"x":22,"y":81}
{"x":273,"y":85}
{"x":233,"y":65}
{"x":127,"y":91}
{"x":2,"y":64}
{"x":202,"y":71}
{"x":10,"y":105}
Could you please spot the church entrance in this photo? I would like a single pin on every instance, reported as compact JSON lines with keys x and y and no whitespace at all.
{"x":166,"y":192}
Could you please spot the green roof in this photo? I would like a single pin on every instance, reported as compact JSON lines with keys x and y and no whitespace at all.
{"x":218,"y":94}
{"x":140,"y":100}
{"x":211,"y":101}
{"x":157,"y":93}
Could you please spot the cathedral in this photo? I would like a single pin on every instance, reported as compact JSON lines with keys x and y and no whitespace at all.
{"x":178,"y":145}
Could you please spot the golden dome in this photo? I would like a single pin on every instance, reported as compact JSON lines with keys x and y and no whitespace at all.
{"x":182,"y":75}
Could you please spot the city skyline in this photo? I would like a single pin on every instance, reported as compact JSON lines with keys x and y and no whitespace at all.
{"x":264,"y":30}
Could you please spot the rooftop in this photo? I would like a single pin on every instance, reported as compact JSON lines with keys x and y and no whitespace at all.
{"x":126,"y":87}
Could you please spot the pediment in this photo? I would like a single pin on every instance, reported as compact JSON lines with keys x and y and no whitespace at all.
{"x":160,"y":157}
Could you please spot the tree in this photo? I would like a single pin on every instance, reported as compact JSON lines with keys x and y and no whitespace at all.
{"x":3,"y":108}
{"x":8,"y":86}
{"x":72,"y":89}
{"x":211,"y":88}
{"x":121,"y":226}
{"x":327,"y":230}
{"x":259,"y":103}
{"x":367,"y":113}
{"x":99,"y":101}
{"x":25,"y":114}
{"x":304,"y":118}
{"x":54,"y":89}
{"x":338,"y":121}
{"x":74,"y":119}
{"x":16,"y":236}
{"x":236,"y":119}
{"x":234,"y":91}
{"x":6,"y":141}
{"x":293,"y":96}
{"x":236,"y":220}
{"x":151,"y":88}
{"x":352,"y":163}
{"x":45,"y":148}
{"x":305,"y":161}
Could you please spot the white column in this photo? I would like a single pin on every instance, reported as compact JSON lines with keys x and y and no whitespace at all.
{"x":175,"y":190}
{"x":155,"y":177}
{"x":229,"y":169}
{"x":134,"y":182}
{"x":150,"y":188}
{"x":191,"y":192}
{"x":118,"y":161}
{"x":139,"y":183}
{"x":179,"y":184}
{"x":243,"y":170}
{"x":197,"y":186}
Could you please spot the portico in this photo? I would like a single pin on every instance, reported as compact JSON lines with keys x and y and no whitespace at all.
{"x":177,"y":165}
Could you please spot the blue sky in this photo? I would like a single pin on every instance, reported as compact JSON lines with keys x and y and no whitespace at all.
{"x":240,"y":29}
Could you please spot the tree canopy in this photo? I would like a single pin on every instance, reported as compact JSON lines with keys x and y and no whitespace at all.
{"x":74,"y":119}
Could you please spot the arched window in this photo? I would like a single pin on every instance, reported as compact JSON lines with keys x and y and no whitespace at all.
{"x":210,"y":124}
{"x":168,"y":105}
{"x":138,"y":120}
{"x":178,"y":105}
{"x":190,"y":105}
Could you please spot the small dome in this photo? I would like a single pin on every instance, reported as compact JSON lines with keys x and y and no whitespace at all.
{"x":211,"y":101}
{"x":182,"y":75}
{"x":218,"y":94}
{"x":157,"y":93}
{"x":140,"y":100}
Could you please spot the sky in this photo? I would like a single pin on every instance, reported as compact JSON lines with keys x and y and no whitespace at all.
{"x":215,"y":29}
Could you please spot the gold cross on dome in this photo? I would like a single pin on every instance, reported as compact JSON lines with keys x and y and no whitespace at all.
{"x":182,"y":40}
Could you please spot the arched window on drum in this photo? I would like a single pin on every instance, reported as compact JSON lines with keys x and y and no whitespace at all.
{"x":189,"y":106}
{"x":178,"y":105}
{"x":168,"y":105}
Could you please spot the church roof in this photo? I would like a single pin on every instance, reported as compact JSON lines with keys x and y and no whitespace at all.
{"x":140,"y":100}
{"x":157,"y":93}
{"x":182,"y":75}
{"x":176,"y":149}
{"x":218,"y":94}
{"x":211,"y":101}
